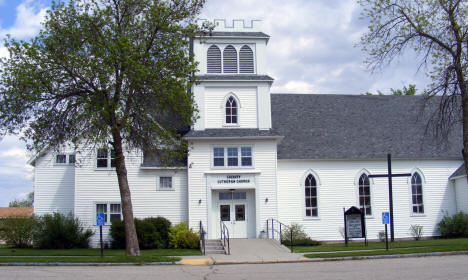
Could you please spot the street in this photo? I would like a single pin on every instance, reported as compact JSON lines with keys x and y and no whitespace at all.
{"x":448,"y":267}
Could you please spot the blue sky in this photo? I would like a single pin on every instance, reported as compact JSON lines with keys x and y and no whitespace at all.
{"x":311,"y":51}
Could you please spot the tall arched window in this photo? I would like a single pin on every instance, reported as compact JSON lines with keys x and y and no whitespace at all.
{"x":231,"y":110}
{"x":416,"y":193}
{"x":213,"y":60}
{"x":311,"y":208}
{"x":364,"y":195}
{"x":246,"y":64}
{"x":230,"y":60}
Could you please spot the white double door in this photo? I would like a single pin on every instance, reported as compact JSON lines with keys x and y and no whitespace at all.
{"x":233,"y":215}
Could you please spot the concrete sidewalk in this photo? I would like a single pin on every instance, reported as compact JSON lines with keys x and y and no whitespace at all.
{"x":249,"y":251}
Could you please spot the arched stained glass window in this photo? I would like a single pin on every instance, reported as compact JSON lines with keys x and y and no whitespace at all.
{"x":246,"y":63}
{"x":365,"y":195}
{"x":311,"y":208}
{"x":230,"y":60}
{"x":213,"y":60}
{"x":231,"y":110}
{"x":416,"y":193}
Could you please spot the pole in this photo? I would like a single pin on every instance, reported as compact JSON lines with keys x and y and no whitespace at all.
{"x":100,"y":236}
{"x":346,"y":230}
{"x":390,"y":196}
{"x":386,"y":238}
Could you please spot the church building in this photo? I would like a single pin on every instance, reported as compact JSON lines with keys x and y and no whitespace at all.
{"x":256,"y":155}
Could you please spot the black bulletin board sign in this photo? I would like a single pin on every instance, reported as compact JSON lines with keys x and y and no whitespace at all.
{"x":354,"y":224}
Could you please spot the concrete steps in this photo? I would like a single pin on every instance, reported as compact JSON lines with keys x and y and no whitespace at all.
{"x":214,"y":246}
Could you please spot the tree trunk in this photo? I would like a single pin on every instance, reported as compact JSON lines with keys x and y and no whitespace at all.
{"x":464,"y":94}
{"x":131,"y":240}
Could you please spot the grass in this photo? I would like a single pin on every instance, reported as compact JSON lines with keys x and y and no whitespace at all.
{"x":28,"y":255}
{"x":332,"y":250}
{"x":106,"y":259}
{"x":94,"y":252}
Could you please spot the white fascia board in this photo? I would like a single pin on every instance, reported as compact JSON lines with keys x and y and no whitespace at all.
{"x":279,"y":138}
{"x":163,"y":168}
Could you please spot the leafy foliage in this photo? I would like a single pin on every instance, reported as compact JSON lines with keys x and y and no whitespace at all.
{"x":58,"y":231}
{"x":17,"y":231}
{"x":300,"y":238}
{"x":27,"y":202}
{"x":454,"y":226}
{"x":410,"y":90}
{"x":181,"y":237}
{"x":153,"y":233}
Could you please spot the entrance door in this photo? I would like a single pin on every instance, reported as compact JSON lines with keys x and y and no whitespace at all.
{"x":234,"y":216}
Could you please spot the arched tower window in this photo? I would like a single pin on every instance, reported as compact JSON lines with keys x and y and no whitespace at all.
{"x":416,"y":193}
{"x":231,"y":110}
{"x":230,"y":60}
{"x":246,"y":64}
{"x":311,"y":208}
{"x":365,"y":195}
{"x":213,"y":60}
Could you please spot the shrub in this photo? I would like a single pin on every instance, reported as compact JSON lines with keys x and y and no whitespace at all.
{"x":58,"y":231}
{"x":299,"y":236}
{"x":117,"y":233}
{"x":17,"y":231}
{"x":152,"y":233}
{"x":416,"y":231}
{"x":181,"y":237}
{"x":455,"y":226}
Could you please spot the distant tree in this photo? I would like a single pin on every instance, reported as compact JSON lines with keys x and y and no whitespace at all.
{"x":437,"y":30}
{"x":410,"y":90}
{"x":27,"y":202}
{"x":106,"y":73}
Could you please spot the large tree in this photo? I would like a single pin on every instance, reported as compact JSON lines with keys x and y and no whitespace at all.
{"x":437,"y":30}
{"x":106,"y":73}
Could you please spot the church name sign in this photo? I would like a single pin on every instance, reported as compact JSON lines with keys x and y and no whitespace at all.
{"x":233,"y":179}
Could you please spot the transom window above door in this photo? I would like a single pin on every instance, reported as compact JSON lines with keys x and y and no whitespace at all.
{"x":235,"y":156}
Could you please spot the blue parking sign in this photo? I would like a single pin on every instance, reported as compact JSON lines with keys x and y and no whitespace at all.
{"x":385,"y":218}
{"x":100,"y":221}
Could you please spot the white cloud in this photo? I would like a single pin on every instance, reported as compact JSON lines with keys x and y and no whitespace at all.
{"x":29,"y":17}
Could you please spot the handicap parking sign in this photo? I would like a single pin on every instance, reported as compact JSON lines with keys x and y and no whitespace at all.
{"x":385,"y":218}
{"x":100,"y":221}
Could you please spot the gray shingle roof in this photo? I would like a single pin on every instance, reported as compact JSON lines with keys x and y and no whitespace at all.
{"x":231,"y":133}
{"x":459,"y":172}
{"x":236,"y":34}
{"x":237,"y":77}
{"x":357,"y":127}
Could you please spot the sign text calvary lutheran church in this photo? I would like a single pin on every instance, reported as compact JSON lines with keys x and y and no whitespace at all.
{"x":233,"y":179}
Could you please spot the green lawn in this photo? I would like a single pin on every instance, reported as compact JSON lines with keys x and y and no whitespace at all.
{"x":91,"y":255}
{"x":108,"y":259}
{"x":330,"y":250}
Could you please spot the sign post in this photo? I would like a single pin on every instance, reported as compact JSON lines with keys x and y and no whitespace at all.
{"x":385,"y":221}
{"x":100,"y":221}
{"x":354,"y":224}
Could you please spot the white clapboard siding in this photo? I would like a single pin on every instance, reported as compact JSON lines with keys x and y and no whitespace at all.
{"x":95,"y":185}
{"x":215,"y":99}
{"x":338,"y":188}
{"x":461,"y":188}
{"x":53,"y":186}
{"x":264,"y":158}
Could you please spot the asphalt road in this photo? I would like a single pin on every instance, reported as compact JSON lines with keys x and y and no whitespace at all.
{"x":447,"y":267}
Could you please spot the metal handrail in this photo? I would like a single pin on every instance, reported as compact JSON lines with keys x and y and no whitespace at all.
{"x":202,"y":238}
{"x":279,"y":230}
{"x":224,"y":233}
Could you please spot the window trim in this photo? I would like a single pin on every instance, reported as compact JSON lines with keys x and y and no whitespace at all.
{"x":223,"y":109}
{"x":108,"y":203}
{"x":302,"y":195}
{"x":239,"y":156}
{"x":109,"y":159}
{"x":67,"y":159}
{"x":410,"y":193}
{"x":371,"y":191}
{"x":158,"y":183}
